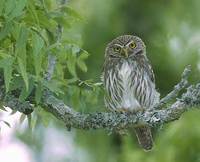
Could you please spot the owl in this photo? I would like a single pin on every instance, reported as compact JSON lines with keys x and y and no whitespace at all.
{"x":129,"y":81}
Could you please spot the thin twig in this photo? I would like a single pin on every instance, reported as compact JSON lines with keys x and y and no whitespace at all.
{"x":177,"y":88}
{"x":51,"y":57}
{"x":51,"y":66}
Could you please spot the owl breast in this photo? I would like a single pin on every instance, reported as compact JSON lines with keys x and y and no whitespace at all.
{"x":128,"y":88}
{"x":128,"y":99}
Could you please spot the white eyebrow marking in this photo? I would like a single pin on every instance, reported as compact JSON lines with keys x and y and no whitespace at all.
{"x":129,"y":43}
{"x":118,"y":45}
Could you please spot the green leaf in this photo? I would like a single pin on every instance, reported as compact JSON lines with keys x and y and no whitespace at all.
{"x":81,"y":60}
{"x":23,"y":71}
{"x":33,"y":122}
{"x":38,"y":44}
{"x":59,"y":71}
{"x":22,"y":118}
{"x":9,"y":6}
{"x":15,"y":33}
{"x":53,"y":46}
{"x":53,"y":86}
{"x":8,"y":72}
{"x":21,"y":53}
{"x":3,"y":54}
{"x":17,"y":11}
{"x":71,"y":64}
{"x":38,"y":93}
{"x":71,"y":12}
{"x":60,"y":18}
{"x":45,"y":21}
{"x":31,"y":16}
{"x":29,"y":121}
{"x":5,"y":30}
{"x":84,"y":55}
{"x":21,"y":43}
{"x":25,"y":93}
{"x":17,"y":83}
{"x":63,"y":22}
{"x":6,"y":64}
{"x":75,"y":98}
{"x":2,"y":6}
{"x":51,"y":36}
{"x":82,"y":65}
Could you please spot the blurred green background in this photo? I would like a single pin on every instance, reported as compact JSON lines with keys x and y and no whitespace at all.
{"x":171,"y":32}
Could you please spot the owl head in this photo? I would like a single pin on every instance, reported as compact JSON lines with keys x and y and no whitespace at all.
{"x":126,"y":46}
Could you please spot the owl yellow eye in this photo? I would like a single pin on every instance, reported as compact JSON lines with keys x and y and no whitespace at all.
{"x":132,"y":45}
{"x":117,"y":49}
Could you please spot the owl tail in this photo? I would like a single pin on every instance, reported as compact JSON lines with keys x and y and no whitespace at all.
{"x":144,"y":137}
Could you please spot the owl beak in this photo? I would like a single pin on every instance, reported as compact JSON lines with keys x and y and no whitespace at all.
{"x":125,"y":52}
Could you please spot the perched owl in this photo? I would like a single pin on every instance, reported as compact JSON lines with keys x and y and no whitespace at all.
{"x":129,"y":81}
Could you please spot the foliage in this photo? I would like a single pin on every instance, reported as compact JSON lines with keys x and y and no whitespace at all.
{"x":30,"y":30}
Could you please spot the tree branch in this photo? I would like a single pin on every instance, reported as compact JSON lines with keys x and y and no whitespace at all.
{"x":112,"y":120}
{"x":177,"y":88}
{"x":117,"y":121}
{"x":9,"y":100}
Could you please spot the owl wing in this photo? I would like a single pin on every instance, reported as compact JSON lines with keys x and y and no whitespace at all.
{"x":149,"y":71}
{"x":108,"y":64}
{"x":145,"y":91}
{"x":146,"y":65}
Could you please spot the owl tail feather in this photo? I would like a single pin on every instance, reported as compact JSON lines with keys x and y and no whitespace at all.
{"x":144,"y":137}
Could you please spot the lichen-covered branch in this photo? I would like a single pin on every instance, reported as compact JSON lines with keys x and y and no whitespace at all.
{"x":9,"y":100}
{"x":24,"y":107}
{"x":114,"y":120}
{"x":117,"y":121}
